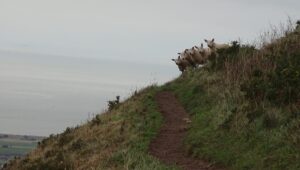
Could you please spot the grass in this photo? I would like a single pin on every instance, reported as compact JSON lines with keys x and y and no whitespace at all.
{"x":257,"y":128}
{"x":117,"y":139}
{"x":221,"y":131}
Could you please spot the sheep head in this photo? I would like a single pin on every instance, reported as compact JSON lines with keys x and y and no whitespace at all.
{"x":177,"y":61}
{"x":210,"y":43}
{"x":201,"y":49}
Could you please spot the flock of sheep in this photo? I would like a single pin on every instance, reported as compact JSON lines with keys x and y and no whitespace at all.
{"x":198,"y":55}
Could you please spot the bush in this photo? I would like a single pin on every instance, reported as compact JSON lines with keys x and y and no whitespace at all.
{"x":284,"y":84}
{"x":256,"y":87}
{"x":279,"y":86}
{"x":65,"y":137}
{"x":230,"y":54}
{"x":112,"y":104}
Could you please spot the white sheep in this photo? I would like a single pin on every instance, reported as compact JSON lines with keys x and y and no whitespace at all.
{"x":205,"y":52}
{"x":196,"y":55}
{"x":215,"y":46}
{"x":182,"y":63}
{"x":186,"y":54}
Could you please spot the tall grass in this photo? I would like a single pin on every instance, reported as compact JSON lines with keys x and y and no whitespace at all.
{"x":245,"y":109}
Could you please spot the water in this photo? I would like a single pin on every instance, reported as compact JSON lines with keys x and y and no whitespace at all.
{"x":41,"y":95}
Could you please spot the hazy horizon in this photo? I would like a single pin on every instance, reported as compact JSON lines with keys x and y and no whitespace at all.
{"x":61,"y":60}
{"x":39,"y":96}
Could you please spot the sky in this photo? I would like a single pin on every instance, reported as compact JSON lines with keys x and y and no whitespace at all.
{"x":61,"y":60}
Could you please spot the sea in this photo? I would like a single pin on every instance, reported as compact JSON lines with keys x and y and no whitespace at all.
{"x":44,"y":94}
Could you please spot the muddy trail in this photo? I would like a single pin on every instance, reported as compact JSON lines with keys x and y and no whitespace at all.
{"x":168,"y":144}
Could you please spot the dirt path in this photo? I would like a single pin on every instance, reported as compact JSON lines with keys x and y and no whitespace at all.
{"x":167,"y":146}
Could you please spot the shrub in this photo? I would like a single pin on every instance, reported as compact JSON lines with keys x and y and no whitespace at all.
{"x":65,"y":137}
{"x":255,"y":88}
{"x":112,"y":104}
{"x":230,"y":54}
{"x":280,"y":85}
{"x":284,"y":86}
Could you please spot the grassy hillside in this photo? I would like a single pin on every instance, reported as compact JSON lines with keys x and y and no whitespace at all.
{"x":117,"y":139}
{"x":245,"y":109}
{"x":246,"y":106}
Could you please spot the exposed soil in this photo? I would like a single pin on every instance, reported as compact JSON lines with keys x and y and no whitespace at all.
{"x":168,"y":145}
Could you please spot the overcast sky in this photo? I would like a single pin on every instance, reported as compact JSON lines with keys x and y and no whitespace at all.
{"x":133,"y":29}
{"x":61,"y":60}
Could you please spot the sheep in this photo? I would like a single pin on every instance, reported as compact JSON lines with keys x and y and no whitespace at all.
{"x":186,"y":54}
{"x":182,"y":63}
{"x":197,"y":56}
{"x":205,"y":52}
{"x":214,"y":46}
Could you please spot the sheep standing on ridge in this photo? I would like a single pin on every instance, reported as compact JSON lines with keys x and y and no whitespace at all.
{"x":182,"y":63}
{"x":214,"y":46}
{"x":197,"y":56}
{"x":186,"y":54}
{"x":205,"y":52}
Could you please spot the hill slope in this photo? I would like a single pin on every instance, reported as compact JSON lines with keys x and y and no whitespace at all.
{"x":117,"y":139}
{"x":244,"y":107}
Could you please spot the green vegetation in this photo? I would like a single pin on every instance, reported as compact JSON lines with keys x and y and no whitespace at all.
{"x":246,"y":108}
{"x":244,"y":105}
{"x":117,"y":139}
